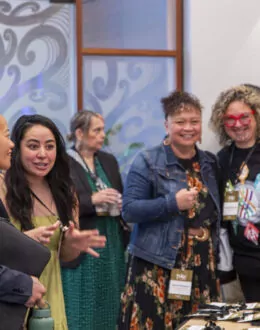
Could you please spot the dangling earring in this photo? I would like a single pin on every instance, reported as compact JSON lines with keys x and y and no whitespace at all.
{"x":199,"y":140}
{"x":166,"y":140}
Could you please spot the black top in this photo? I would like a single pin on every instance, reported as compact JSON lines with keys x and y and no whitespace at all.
{"x":204,"y":213}
{"x":239,"y":155}
{"x":3,"y":213}
{"x":87,"y":213}
{"x":246,"y":253}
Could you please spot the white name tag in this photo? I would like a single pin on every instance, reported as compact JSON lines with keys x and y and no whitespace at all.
{"x":180,"y":288}
{"x":230,"y":207}
{"x":180,"y":284}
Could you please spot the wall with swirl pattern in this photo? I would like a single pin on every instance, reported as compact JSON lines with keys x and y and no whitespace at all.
{"x":127,"y":89}
{"x":37,"y":71}
{"x":37,"y":54}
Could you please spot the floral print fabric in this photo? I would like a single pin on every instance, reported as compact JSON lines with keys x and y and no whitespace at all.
{"x":194,"y":181}
{"x":144,"y":302}
{"x":203,"y":213}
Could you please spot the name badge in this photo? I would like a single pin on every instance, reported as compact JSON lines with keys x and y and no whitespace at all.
{"x":180,"y":284}
{"x":230,"y":207}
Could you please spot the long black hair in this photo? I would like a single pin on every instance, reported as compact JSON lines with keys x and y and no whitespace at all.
{"x":18,"y":198}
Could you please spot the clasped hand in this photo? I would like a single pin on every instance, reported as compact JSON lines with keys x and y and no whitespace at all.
{"x":186,"y":199}
{"x":38,"y":291}
{"x":109,"y":195}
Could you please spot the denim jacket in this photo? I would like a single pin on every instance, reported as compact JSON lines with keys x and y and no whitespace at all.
{"x":149,"y":201}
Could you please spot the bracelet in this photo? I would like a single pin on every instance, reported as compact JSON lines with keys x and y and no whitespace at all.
{"x":204,"y":237}
{"x":63,"y":228}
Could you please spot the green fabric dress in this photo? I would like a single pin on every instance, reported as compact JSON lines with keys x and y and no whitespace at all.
{"x":51,"y":276}
{"x":92,"y":291}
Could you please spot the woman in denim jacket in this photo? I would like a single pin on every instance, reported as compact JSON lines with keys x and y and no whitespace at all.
{"x":172,"y":197}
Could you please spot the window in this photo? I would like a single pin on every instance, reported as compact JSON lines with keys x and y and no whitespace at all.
{"x":129,"y":56}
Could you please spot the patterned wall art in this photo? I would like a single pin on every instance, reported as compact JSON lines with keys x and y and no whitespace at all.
{"x":127,"y":92}
{"x":36,"y":60}
{"x":38,"y":70}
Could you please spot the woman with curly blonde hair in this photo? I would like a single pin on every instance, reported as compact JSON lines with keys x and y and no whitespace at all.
{"x":236,"y":120}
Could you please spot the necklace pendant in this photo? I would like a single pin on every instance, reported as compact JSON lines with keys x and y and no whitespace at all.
{"x":244,"y":173}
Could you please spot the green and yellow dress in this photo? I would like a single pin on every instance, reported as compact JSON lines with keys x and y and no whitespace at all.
{"x":51,"y":276}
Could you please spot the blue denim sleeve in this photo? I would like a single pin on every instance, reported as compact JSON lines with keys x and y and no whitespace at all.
{"x":139,"y":203}
{"x":15,"y":287}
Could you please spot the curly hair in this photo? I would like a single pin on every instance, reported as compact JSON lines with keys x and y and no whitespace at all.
{"x":249,"y":94}
{"x":178,"y":101}
{"x":19,"y":199}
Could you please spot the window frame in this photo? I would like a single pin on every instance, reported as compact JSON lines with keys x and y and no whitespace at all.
{"x":81,"y":52}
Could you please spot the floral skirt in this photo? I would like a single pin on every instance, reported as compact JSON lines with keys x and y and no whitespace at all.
{"x":144,"y":302}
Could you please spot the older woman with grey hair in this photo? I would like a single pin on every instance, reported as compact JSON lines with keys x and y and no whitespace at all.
{"x":236,"y":120}
{"x":92,"y":290}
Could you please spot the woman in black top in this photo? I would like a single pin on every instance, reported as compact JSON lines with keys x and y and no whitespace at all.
{"x":235,"y":119}
{"x":93,"y":301}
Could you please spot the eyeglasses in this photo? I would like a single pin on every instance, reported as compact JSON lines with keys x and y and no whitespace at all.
{"x":243,"y":118}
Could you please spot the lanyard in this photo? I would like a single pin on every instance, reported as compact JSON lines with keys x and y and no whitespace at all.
{"x":244,"y":163}
{"x":42,"y":203}
{"x":62,"y":228}
{"x":98,"y":182}
{"x":92,"y":174}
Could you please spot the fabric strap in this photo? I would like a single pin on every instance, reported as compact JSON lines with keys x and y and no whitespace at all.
{"x":42,"y":203}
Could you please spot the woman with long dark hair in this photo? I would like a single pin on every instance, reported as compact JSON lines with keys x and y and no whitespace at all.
{"x":41,"y":199}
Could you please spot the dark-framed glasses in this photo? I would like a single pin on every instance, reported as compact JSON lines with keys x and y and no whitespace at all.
{"x":243,"y":118}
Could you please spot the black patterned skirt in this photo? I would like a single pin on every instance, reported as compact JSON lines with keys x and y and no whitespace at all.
{"x":144,"y":302}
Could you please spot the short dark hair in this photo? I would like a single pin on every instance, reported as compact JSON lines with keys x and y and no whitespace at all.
{"x":18,"y":197}
{"x":178,"y":101}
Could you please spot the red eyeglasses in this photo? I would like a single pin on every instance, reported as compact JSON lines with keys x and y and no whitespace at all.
{"x":243,"y":118}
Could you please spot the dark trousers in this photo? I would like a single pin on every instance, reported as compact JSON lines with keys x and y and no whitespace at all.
{"x":251,"y":288}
